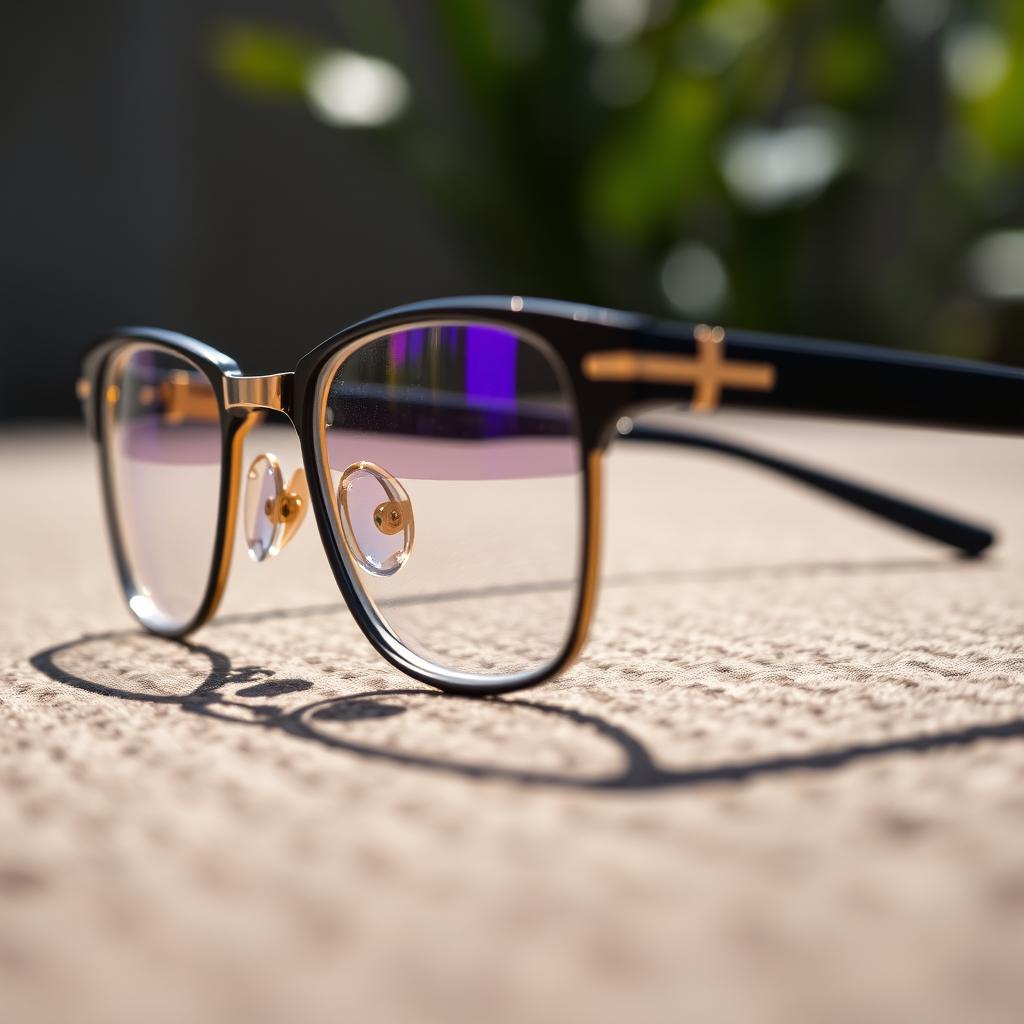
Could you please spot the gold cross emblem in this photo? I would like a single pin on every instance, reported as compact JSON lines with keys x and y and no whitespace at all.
{"x":709,"y":371}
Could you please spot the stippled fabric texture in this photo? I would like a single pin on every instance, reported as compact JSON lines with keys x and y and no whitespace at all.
{"x":784,"y":782}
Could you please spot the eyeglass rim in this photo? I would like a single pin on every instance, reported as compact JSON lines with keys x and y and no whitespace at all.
{"x":219,"y":370}
{"x":97,"y":365}
{"x":392,"y":647}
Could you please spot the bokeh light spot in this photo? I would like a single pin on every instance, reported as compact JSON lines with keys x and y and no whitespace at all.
{"x":351,"y":90}
{"x":996,"y":265}
{"x":612,"y":22}
{"x":694,"y":279}
{"x":977,"y":59}
{"x":767,"y":168}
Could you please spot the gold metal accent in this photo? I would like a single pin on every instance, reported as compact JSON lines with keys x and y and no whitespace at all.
{"x":83,"y":389}
{"x":256,"y":392}
{"x":223,"y":568}
{"x":185,"y":397}
{"x":592,"y":559}
{"x":709,"y":371}
{"x":290,"y":507}
{"x":284,"y":510}
{"x":390,"y":516}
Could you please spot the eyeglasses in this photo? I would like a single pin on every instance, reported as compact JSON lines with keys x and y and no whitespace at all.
{"x":451,"y":455}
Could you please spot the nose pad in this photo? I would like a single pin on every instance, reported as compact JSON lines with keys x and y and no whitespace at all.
{"x":273,"y":512}
{"x":376,"y":518}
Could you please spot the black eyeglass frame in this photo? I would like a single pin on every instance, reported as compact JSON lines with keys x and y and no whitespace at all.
{"x":615,"y":364}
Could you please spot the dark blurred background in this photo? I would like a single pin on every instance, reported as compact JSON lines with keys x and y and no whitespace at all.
{"x":260,"y":173}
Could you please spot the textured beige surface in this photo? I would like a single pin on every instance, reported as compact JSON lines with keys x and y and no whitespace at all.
{"x":786,"y":781}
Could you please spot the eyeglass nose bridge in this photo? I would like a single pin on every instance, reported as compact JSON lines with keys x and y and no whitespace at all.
{"x":273,"y":512}
{"x":248,"y":394}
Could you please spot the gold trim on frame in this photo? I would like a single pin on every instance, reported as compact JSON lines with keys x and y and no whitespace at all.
{"x":709,"y":371}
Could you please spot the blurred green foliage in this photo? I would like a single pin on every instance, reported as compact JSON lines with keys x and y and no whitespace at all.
{"x":795,"y":165}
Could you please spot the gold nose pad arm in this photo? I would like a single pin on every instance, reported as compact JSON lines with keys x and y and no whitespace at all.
{"x":289,"y":509}
{"x":273,"y":512}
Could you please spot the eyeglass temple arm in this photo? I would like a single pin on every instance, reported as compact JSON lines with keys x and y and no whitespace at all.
{"x":656,"y":362}
{"x":747,"y":368}
{"x":966,"y":537}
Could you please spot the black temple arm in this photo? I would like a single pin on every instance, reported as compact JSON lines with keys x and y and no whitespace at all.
{"x":838,"y":378}
{"x":855,"y":380}
{"x":966,"y":537}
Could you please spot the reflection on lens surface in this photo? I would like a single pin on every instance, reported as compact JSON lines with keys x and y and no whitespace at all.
{"x":263,"y":487}
{"x":163,"y":451}
{"x":478,"y":427}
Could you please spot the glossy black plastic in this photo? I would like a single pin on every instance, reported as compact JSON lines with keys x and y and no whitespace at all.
{"x":811,"y":377}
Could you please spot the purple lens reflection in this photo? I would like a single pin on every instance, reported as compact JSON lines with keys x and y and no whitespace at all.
{"x":163,"y":452}
{"x":456,"y":403}
{"x":478,"y":423}
{"x":490,"y":363}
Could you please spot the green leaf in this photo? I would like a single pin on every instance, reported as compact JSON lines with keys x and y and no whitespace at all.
{"x":656,"y":164}
{"x":849,"y":64}
{"x":263,"y":59}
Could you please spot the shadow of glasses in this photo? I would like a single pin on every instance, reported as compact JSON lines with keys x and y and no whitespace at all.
{"x":476,"y":738}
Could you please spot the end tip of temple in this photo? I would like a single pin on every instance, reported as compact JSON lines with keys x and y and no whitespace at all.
{"x":977,"y":543}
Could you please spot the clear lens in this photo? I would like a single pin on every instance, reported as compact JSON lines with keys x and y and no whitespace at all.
{"x":456,"y":480}
{"x":163,"y":452}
